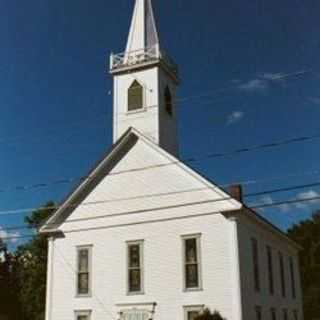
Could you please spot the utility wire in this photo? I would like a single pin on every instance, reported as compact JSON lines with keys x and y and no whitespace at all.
{"x":183,"y":100}
{"x":188,"y":160}
{"x":258,"y":206}
{"x":249,"y":195}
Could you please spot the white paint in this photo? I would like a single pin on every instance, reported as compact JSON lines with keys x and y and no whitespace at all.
{"x":143,"y":32}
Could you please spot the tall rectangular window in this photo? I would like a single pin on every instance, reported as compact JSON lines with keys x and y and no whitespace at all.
{"x":285,"y":314}
{"x":82,"y":315}
{"x":84,"y":270}
{"x":192,"y":269}
{"x":282,"y":275}
{"x":270,"y":270}
{"x":258,"y":311}
{"x":192,"y":312}
{"x":135,"y":267}
{"x":255,"y":261}
{"x":295,"y":315}
{"x":292,"y":276}
{"x":273,"y":314}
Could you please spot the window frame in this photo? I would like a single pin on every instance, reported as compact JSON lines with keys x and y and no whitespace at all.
{"x":258,"y":309}
{"x":273,"y":313}
{"x":79,"y":313}
{"x":293,"y":278}
{"x":184,"y":238}
{"x":282,"y":275}
{"x":140,"y":243}
{"x":270,"y":269}
{"x":140,"y":109}
{"x":285,"y":314}
{"x":255,"y":264}
{"x":192,"y":308}
{"x":78,"y":249}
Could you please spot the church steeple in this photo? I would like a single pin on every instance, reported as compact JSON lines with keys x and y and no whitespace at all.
{"x":145,"y":83}
{"x":143,"y":31}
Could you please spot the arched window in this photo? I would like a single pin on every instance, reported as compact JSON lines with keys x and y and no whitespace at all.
{"x":168,"y":101}
{"x":135,"y":96}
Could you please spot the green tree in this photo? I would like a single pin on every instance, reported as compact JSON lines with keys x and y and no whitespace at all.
{"x":307,"y":234}
{"x":30,"y":266}
{"x":208,"y":315}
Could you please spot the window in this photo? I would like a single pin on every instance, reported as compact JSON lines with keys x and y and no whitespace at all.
{"x":191,"y":252}
{"x":270,"y":270}
{"x":258,"y":313}
{"x":135,"y":263}
{"x":273,"y":314}
{"x":285,"y":314}
{"x":82,"y":315}
{"x":282,"y":275}
{"x":191,"y":312}
{"x":255,"y":258}
{"x":292,"y":275}
{"x":168,"y":101}
{"x":135,"y":96}
{"x":295,"y":315}
{"x":83,"y":271}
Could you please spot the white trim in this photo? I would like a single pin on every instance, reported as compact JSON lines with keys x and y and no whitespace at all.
{"x":234,"y":243}
{"x":196,"y":236}
{"x":192,"y":308}
{"x":90,"y":275}
{"x":86,"y":313}
{"x":49,"y":290}
{"x":140,"y":243}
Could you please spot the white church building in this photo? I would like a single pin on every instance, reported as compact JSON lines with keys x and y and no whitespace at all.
{"x":145,"y":236}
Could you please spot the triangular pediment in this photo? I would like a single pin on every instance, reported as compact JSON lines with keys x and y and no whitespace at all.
{"x":139,"y":181}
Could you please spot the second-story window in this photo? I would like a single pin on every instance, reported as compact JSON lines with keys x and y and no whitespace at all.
{"x":255,"y":261}
{"x":282,"y":275}
{"x":258,"y":310}
{"x":135,"y":267}
{"x":135,"y":96}
{"x":273,"y":314}
{"x":270,"y":270}
{"x":292,"y":275}
{"x":83,"y":271}
{"x":192,"y":269}
{"x":285,"y":314}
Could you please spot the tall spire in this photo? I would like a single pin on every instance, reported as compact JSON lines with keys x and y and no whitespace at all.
{"x":143,"y":31}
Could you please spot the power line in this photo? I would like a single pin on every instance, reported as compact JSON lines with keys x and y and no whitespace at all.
{"x":209,"y":93}
{"x":249,"y":195}
{"x":258,"y":206}
{"x":188,"y":160}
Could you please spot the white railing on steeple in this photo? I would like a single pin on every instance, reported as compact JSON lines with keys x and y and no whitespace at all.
{"x":134,"y":58}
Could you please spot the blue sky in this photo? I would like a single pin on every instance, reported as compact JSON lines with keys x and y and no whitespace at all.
{"x":56,"y":108}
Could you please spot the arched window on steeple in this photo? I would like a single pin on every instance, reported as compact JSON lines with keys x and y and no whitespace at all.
{"x":135,"y":96}
{"x":168,"y":101}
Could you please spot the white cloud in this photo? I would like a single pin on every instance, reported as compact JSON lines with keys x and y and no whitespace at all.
{"x":307,"y":195}
{"x":273,"y":76}
{"x":4,"y":234}
{"x":234,"y":117}
{"x":263,"y":81}
{"x":315,"y":100}
{"x":254,"y":85}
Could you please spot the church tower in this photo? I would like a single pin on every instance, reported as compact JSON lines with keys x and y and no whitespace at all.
{"x":145,"y":83}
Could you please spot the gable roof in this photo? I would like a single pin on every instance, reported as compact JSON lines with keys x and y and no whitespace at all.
{"x":104,"y":167}
{"x":114,"y":155}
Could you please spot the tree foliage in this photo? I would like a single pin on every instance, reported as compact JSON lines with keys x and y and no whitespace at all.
{"x":26,"y":273}
{"x":307,"y":234}
{"x":208,"y":315}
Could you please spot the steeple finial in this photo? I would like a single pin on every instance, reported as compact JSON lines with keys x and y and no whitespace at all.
{"x":143,"y":31}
